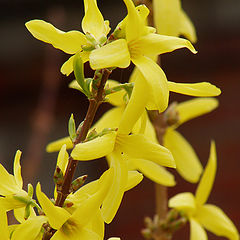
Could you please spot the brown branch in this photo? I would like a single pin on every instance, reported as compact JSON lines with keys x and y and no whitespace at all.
{"x":94,"y":103}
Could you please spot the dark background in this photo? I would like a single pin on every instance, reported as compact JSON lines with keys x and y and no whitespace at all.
{"x":36,"y":103}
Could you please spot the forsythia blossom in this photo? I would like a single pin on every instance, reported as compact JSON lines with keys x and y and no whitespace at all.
{"x":201,"y":214}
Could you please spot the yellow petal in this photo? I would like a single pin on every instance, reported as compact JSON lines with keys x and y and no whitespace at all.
{"x":154,"y":172}
{"x":67,"y":67}
{"x":75,"y":233}
{"x":166,"y":16}
{"x":216,"y":221}
{"x":114,"y":54}
{"x":196,"y":231}
{"x":110,"y":119}
{"x":69,"y":42}
{"x":195,"y":107}
{"x":8,"y":183}
{"x":119,"y":182}
{"x":93,"y":21}
{"x":62,"y":159}
{"x":187,"y":162}
{"x":206,"y":183}
{"x":138,"y":146}
{"x":135,"y":24}
{"x":156,"y":79}
{"x":97,"y":224}
{"x":56,"y":145}
{"x":202,"y":89}
{"x":116,"y":99}
{"x":155,"y":44}
{"x":84,"y":213}
{"x":29,"y":229}
{"x":135,"y":106}
{"x":57,"y":216}
{"x":187,"y":28}
{"x":83,"y":193}
{"x":17,"y":169}
{"x":19,"y":213}
{"x":4,"y":225}
{"x":134,"y":178}
{"x":183,"y":201}
{"x":96,"y":148}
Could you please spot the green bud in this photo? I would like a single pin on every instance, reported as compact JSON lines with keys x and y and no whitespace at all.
{"x":27,"y":211}
{"x":88,"y":47}
{"x":58,"y":176}
{"x":77,"y":183}
{"x":72,"y":128}
{"x":91,"y":39}
{"x":102,"y":40}
{"x":91,"y":135}
{"x":30,"y":190}
{"x":24,"y":198}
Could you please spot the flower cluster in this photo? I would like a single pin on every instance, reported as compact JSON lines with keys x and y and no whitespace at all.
{"x":125,"y":135}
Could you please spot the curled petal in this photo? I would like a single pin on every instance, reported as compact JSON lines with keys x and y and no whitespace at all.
{"x":114,"y":197}
{"x":187,"y":28}
{"x":155,"y":44}
{"x":134,"y":178}
{"x":138,"y":146}
{"x":29,"y":229}
{"x":17,"y":169}
{"x":194,"y":108}
{"x":69,"y":42}
{"x":154,"y":172}
{"x":93,"y":21}
{"x":96,"y":148}
{"x":114,"y":54}
{"x":216,"y":221}
{"x":135,"y":107}
{"x":188,"y":164}
{"x":196,"y":231}
{"x":156,"y":79}
{"x":183,"y":201}
{"x":56,"y":145}
{"x":57,"y":216}
{"x":207,"y":180}
{"x":202,"y":89}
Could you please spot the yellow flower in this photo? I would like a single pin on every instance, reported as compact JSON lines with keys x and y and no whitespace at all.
{"x":119,"y":145}
{"x":171,"y":20}
{"x":84,"y":222}
{"x":201,"y":214}
{"x":71,"y":42}
{"x":139,"y":44}
{"x":187,"y":162}
{"x":13,"y":196}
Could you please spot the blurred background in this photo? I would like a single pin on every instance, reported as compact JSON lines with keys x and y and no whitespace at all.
{"x":36,"y":103}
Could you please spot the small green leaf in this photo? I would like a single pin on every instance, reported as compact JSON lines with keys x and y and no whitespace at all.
{"x":78,"y":67}
{"x":72,"y":128}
